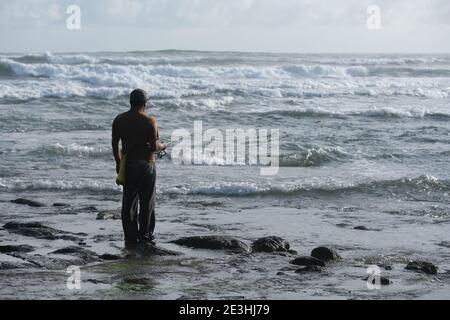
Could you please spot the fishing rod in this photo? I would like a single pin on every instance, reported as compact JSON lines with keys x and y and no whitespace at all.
{"x":161,"y":154}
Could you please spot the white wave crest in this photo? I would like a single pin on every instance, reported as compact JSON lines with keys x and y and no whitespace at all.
{"x":314,"y":157}
{"x":382,"y":112}
{"x":420,"y":184}
{"x":75,"y":149}
{"x":84,"y":75}
{"x":324,"y":70}
{"x":61,"y":185}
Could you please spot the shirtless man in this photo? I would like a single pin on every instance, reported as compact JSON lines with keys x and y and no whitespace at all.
{"x":139,"y":135}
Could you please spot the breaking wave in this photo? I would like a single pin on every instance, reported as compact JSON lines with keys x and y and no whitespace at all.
{"x":81,"y":185}
{"x":398,"y":186}
{"x":405,"y":185}
{"x":314,"y":157}
{"x":83,"y":66}
{"x":73,"y":149}
{"x":376,"y":112}
{"x":323,"y":70}
{"x":177,"y":75}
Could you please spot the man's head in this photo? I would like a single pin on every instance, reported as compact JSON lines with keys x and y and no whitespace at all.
{"x":138,"y":99}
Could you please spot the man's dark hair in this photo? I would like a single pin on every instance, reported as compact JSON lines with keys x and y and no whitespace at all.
{"x":138,"y":98}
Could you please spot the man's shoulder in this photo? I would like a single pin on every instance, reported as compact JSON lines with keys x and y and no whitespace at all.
{"x":120,"y":117}
{"x":148,"y":118}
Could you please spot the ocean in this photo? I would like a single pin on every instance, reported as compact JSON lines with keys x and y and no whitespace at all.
{"x":364,"y":141}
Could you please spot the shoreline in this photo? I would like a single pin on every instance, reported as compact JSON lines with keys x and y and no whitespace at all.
{"x":265,"y":275}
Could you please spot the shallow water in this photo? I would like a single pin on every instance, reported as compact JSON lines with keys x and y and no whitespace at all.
{"x":364,"y":141}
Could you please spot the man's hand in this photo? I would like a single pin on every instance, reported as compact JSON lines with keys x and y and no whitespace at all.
{"x":160,"y":146}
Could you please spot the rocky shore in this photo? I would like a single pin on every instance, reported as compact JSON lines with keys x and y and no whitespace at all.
{"x":78,"y":251}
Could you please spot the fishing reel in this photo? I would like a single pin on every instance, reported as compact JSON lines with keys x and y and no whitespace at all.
{"x":162,"y":154}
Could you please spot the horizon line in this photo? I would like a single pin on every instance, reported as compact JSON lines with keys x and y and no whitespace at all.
{"x":228,"y":51}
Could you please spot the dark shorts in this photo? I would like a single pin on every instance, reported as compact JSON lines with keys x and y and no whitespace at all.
{"x":139,"y":200}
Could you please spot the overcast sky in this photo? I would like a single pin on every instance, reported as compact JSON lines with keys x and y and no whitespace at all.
{"x":234,"y":25}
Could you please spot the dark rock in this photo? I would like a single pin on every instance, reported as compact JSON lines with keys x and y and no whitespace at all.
{"x":110,"y":257}
{"x":310,"y":268}
{"x":364,"y":228}
{"x":80,"y":257}
{"x":113,"y":214}
{"x":88,"y":209}
{"x":68,"y":237}
{"x":39,"y":231}
{"x":152,"y":250}
{"x":280,"y":273}
{"x":95,"y":281}
{"x":422,"y":266}
{"x":270,"y":244}
{"x":136,"y":281}
{"x":387,"y":267}
{"x":44,"y":262}
{"x":73,"y":250}
{"x":213,"y":243}
{"x":342,"y":225}
{"x":83,"y":254}
{"x":6,"y":265}
{"x":27,"y":202}
{"x":383,"y":280}
{"x":18,"y":248}
{"x":308,"y":261}
{"x":68,"y":250}
{"x":445,"y":244}
{"x":18,"y":225}
{"x":325,"y":254}
{"x":60,"y":204}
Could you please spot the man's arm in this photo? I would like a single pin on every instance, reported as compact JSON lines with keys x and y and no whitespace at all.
{"x":115,"y":146}
{"x":155,"y":145}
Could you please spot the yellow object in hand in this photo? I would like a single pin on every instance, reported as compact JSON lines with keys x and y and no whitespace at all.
{"x":121,"y":176}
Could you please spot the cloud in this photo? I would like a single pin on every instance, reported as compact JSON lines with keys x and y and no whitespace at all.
{"x":171,"y":13}
{"x":415,"y":13}
{"x":272,"y":13}
{"x":279,"y":25}
{"x":123,"y":9}
{"x":29,"y":13}
{"x":226,"y":13}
